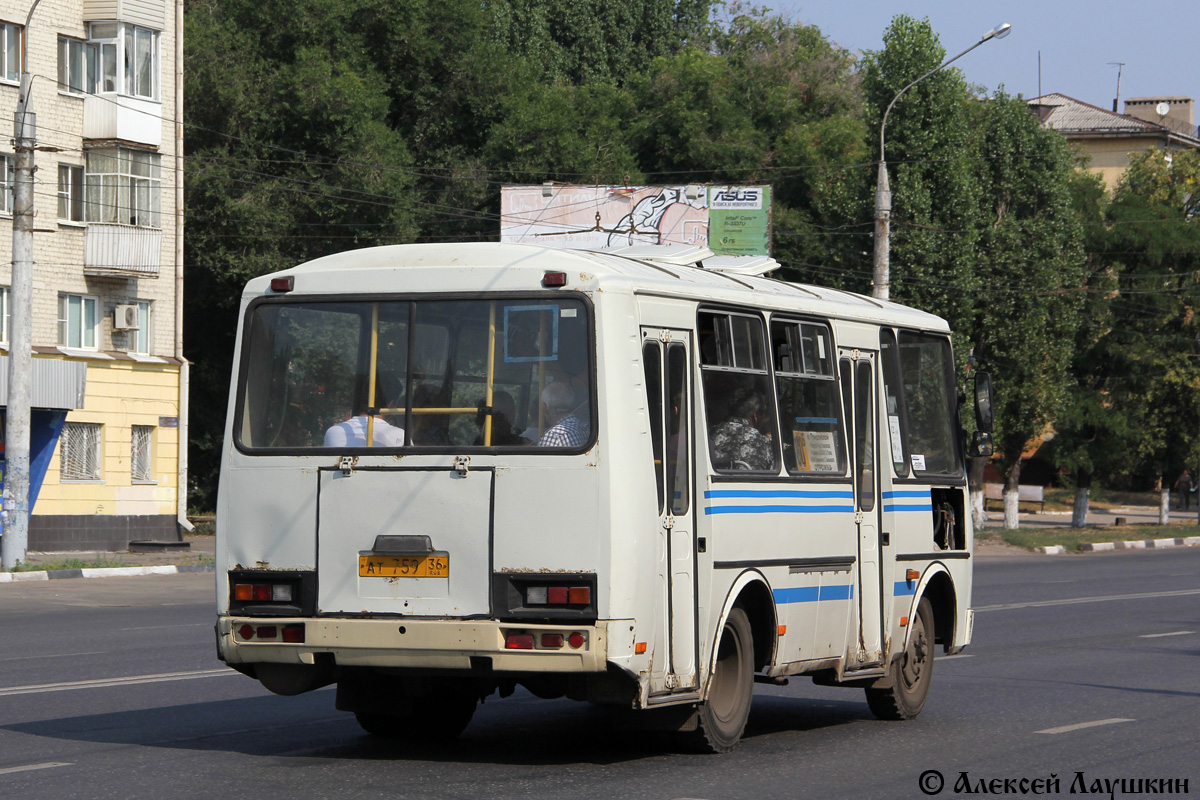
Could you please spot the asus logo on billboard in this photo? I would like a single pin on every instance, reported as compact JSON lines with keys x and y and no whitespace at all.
{"x":737,"y":197}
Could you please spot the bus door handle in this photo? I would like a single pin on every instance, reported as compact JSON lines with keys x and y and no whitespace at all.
{"x":885,"y":538}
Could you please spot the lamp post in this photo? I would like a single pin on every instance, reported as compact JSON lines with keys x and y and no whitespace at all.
{"x":883,"y":192}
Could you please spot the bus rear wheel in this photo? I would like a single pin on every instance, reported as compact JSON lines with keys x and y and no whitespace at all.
{"x":723,"y":715}
{"x":910,"y":674}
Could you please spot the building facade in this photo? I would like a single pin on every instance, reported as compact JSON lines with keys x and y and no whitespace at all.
{"x":107,"y":261}
{"x":1110,"y":139}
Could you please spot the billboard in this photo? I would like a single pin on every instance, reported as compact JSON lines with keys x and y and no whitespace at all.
{"x":729,"y":220}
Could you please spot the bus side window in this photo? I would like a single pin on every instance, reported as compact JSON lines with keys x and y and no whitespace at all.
{"x":678,"y":426}
{"x":652,"y":363}
{"x":738,"y":400}
{"x":809,"y":413}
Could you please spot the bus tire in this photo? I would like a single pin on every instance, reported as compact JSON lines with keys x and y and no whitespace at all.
{"x":723,"y":715}
{"x":910,"y":674}
{"x":440,"y":715}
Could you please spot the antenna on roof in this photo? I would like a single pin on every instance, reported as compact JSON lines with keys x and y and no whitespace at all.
{"x":1118,"y":65}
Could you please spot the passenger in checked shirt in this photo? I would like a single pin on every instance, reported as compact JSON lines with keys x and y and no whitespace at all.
{"x":569,"y":428}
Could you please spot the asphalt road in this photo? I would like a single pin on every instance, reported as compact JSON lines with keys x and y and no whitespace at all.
{"x":1084,"y":664}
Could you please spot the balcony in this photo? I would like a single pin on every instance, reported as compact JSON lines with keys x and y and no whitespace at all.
{"x":123,"y":251}
{"x":115,"y":116}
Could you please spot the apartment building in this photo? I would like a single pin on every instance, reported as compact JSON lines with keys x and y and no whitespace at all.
{"x":109,"y":380}
{"x":1110,"y":139}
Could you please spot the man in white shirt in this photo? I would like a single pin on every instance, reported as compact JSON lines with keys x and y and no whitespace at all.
{"x":353,"y":432}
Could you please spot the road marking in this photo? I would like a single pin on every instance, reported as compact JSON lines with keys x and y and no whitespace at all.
{"x":956,"y":655}
{"x":56,"y":655}
{"x":165,"y":627}
{"x":31,"y":767}
{"x":1097,"y":599}
{"x":130,"y":680}
{"x":1160,"y":635}
{"x":1081,"y":725}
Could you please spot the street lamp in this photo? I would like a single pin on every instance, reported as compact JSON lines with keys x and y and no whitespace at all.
{"x":883,"y":194}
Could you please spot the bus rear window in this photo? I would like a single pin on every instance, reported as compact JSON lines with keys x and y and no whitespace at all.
{"x":511,"y":373}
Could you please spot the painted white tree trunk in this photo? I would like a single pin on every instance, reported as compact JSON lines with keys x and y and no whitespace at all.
{"x":1011,"y":501}
{"x":1080,"y":511}
{"x":978,"y":515}
{"x":1164,"y":507}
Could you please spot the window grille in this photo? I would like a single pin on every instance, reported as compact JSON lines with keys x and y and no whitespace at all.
{"x":79,"y":451}
{"x":143,"y":469}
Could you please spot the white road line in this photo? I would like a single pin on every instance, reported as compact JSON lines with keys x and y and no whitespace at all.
{"x":956,"y":655}
{"x":56,"y":655}
{"x":1081,"y":725}
{"x":100,"y":683}
{"x":31,"y":767}
{"x":1160,"y":635}
{"x":165,"y":627}
{"x":1097,"y":599}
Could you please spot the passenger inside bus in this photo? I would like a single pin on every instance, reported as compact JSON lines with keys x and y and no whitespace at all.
{"x":504,"y":411}
{"x":353,"y":432}
{"x":737,"y":443}
{"x":568,"y":426}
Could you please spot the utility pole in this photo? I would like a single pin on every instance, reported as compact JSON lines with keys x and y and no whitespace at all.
{"x":15,"y":541}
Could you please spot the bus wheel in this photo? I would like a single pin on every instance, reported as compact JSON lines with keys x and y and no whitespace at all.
{"x":441,"y":715}
{"x":910,"y":674}
{"x":723,"y":715}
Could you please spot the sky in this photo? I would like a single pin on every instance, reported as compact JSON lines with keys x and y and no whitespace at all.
{"x":1158,"y":42}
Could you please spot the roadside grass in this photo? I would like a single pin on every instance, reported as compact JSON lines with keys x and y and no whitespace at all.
{"x":104,"y":562}
{"x":1064,"y":499}
{"x":1073,"y":538}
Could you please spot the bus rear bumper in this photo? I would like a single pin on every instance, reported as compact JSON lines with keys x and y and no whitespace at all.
{"x":418,"y":644}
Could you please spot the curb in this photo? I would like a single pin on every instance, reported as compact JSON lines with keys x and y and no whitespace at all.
{"x":101,"y":572}
{"x":1136,"y":544}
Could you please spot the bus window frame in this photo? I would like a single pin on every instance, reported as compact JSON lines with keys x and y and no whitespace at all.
{"x":958,"y":478}
{"x":243,"y":358}
{"x":812,"y":477}
{"x":701,"y":396}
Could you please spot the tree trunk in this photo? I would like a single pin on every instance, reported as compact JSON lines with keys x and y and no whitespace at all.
{"x":1164,"y":507}
{"x":975,"y":481}
{"x":1079,"y":511}
{"x":1012,"y":495}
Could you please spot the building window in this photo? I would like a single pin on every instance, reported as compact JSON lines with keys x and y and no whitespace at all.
{"x":142,"y":470}
{"x":78,"y":64}
{"x":10,"y":51}
{"x":78,"y":319}
{"x":139,"y":340}
{"x":8,"y":165}
{"x":123,"y":186}
{"x":128,"y":58}
{"x":70,"y":192}
{"x":79,"y":451}
{"x":5,"y":320}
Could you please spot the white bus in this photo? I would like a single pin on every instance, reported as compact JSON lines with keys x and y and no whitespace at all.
{"x":645,"y":478}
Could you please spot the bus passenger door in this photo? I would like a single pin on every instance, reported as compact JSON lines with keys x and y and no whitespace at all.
{"x":857,"y":371}
{"x":665,"y":356}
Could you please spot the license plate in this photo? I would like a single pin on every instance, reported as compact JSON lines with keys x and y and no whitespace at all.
{"x":404,"y":566}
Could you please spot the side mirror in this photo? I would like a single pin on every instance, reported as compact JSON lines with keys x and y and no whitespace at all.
{"x":983,"y":405}
{"x":981,"y":445}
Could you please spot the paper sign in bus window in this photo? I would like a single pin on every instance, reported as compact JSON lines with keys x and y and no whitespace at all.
{"x":531,"y":333}
{"x":816,"y":451}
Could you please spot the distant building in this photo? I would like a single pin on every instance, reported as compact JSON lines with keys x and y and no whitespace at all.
{"x":109,"y":379}
{"x":1109,"y":138}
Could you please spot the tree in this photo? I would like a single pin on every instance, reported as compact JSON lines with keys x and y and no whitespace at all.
{"x":1032,"y":265}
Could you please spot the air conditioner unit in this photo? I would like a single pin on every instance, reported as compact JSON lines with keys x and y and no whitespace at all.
{"x":125,"y":318}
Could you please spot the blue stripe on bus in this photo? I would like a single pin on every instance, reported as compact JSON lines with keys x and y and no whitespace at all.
{"x":777,"y":509}
{"x":799,"y":493}
{"x":811,"y":594}
{"x":906,"y":493}
{"x":905,"y":588}
{"x":887,"y":507}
